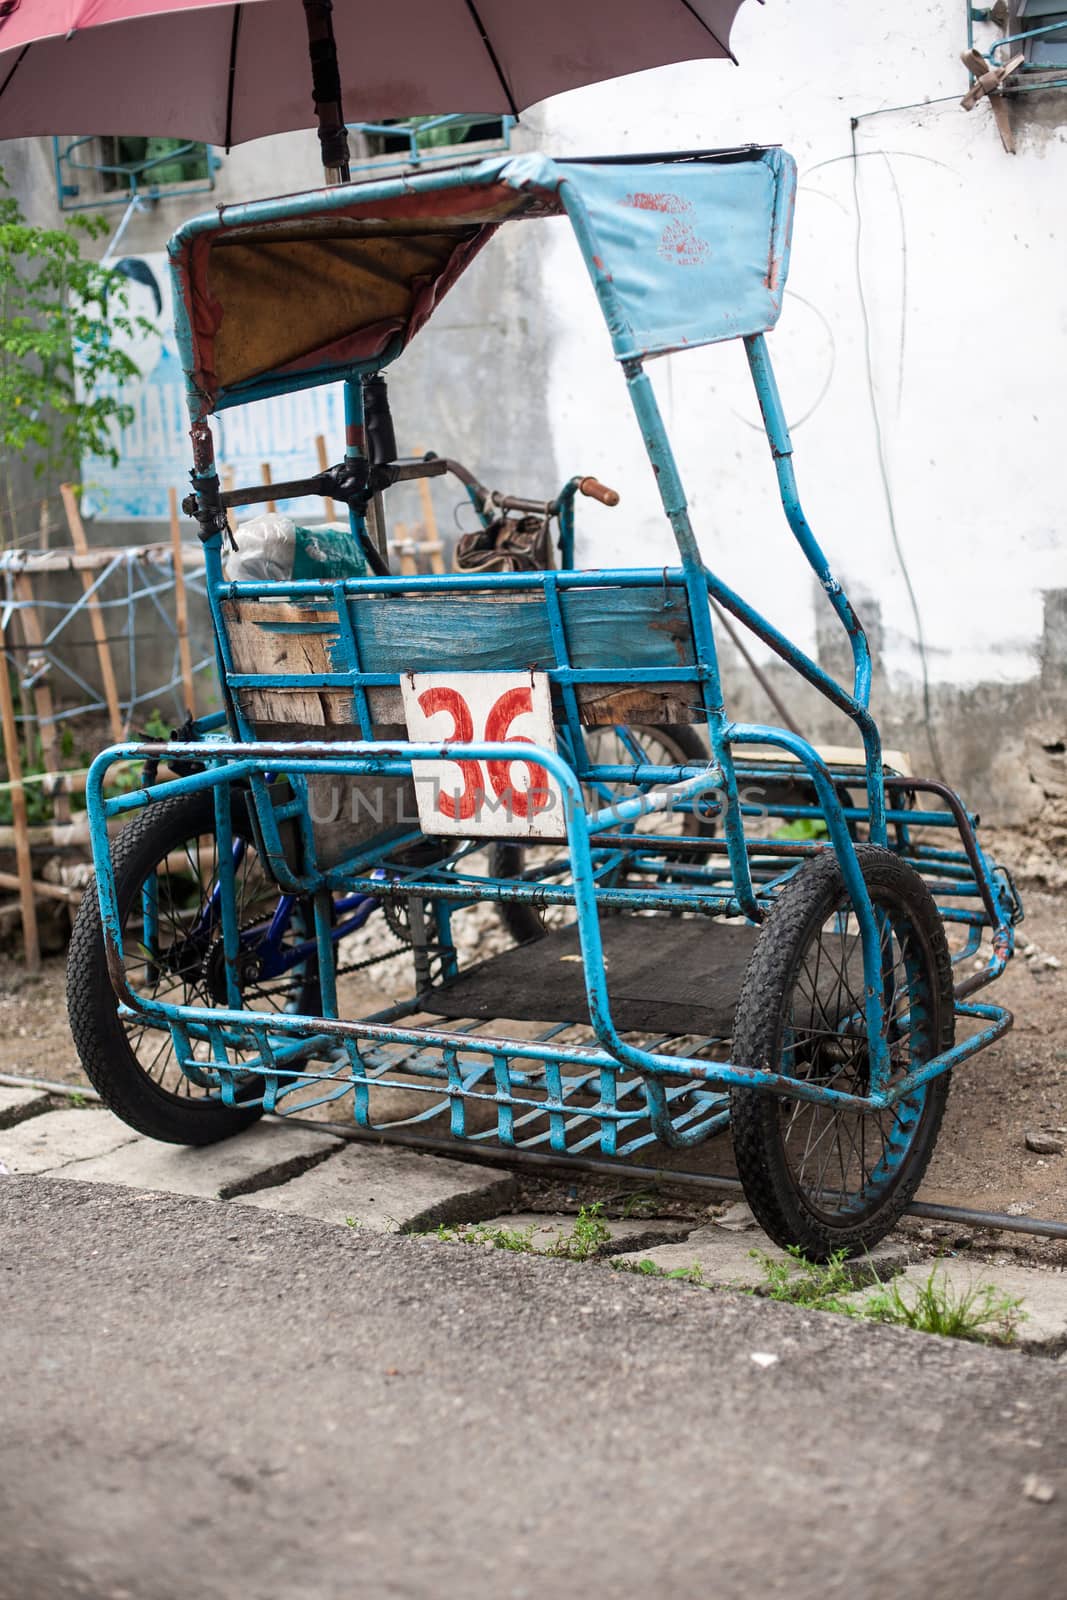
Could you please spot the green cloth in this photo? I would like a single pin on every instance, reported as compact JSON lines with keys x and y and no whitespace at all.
{"x":327,"y":553}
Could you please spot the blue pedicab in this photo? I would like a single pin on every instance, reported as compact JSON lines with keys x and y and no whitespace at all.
{"x":412,"y":749}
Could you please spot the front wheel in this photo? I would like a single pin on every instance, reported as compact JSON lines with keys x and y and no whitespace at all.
{"x":166,"y":878}
{"x":825,"y":1178}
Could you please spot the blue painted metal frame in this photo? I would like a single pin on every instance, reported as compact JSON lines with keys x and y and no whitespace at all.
{"x":637,"y":1085}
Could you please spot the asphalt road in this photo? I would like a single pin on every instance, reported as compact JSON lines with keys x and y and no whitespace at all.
{"x":214,"y":1402}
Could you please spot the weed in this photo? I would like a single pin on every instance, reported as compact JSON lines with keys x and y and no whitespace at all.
{"x":642,"y":1203}
{"x":590,"y":1231}
{"x":517,"y":1240}
{"x":979,"y":1312}
{"x":351,"y":1222}
{"x":803,"y":829}
{"x":819,"y":1285}
{"x":646,"y":1268}
{"x":589,"y":1234}
{"x":77,"y":1101}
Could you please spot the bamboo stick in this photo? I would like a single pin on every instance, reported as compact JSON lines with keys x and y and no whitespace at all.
{"x":181,"y":608}
{"x":324,"y":462}
{"x":96,"y":616}
{"x":43,"y":705}
{"x":405,"y":550}
{"x":264,"y":473}
{"x":433,"y":547}
{"x":21,"y":828}
{"x":44,"y":891}
{"x":227,"y":484}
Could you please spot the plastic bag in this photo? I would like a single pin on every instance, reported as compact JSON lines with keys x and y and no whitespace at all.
{"x":272,"y":549}
{"x":265,"y":547}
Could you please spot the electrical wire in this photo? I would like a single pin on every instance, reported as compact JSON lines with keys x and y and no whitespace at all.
{"x":883,"y":467}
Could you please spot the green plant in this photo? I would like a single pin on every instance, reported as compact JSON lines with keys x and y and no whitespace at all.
{"x":77,"y":1101}
{"x":803,"y":829}
{"x":61,"y":365}
{"x":586,"y":1238}
{"x":821,"y":1286}
{"x":520,"y":1241}
{"x":978,"y":1312}
{"x":155,"y":727}
{"x":647,"y":1268}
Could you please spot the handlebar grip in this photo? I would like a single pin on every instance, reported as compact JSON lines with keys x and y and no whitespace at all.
{"x":598,"y":491}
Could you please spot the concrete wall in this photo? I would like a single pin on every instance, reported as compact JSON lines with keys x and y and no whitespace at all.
{"x":920,"y":356}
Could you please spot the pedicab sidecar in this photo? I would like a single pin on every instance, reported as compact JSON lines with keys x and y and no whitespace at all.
{"x":414,"y":749}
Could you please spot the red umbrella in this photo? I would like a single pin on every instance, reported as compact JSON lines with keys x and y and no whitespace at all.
{"x":224,"y":73}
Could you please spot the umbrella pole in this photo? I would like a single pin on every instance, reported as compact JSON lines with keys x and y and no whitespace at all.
{"x":326,"y":90}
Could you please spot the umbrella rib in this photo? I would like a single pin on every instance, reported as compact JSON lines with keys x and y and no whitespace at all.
{"x":725,"y":48}
{"x":494,"y":58}
{"x":237,"y":11}
{"x":16,"y":64}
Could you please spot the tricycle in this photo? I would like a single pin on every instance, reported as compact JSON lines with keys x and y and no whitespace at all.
{"x":683,"y":923}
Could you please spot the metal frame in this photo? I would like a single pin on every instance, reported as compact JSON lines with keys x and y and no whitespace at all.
{"x":634,"y":1086}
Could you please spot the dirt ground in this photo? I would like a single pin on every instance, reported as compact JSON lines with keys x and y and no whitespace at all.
{"x":1016,"y":1088}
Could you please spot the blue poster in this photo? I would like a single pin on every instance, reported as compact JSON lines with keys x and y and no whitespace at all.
{"x":154,"y":449}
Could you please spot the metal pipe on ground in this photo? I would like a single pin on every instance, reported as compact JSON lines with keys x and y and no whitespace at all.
{"x":1040,"y":1227}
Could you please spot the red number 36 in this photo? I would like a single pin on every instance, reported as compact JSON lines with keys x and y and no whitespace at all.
{"x":514,"y":702}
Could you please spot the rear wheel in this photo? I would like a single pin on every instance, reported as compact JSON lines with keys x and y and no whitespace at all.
{"x":676,"y":745}
{"x":166,"y":878}
{"x":819,"y":1177}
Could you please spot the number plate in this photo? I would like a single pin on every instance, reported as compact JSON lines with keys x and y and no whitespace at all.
{"x":483,"y":799}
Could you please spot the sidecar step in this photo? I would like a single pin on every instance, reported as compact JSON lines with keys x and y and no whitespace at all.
{"x":665,"y":975}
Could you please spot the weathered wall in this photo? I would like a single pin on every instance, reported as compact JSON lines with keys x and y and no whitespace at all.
{"x":920,"y":355}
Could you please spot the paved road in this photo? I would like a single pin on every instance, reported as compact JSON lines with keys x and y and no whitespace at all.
{"x":215,"y":1402}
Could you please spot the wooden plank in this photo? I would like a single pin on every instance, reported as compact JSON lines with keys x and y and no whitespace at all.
{"x":606,"y":627}
{"x":20,"y":819}
{"x":181,"y":606}
{"x":43,"y":705}
{"x":96,"y":615}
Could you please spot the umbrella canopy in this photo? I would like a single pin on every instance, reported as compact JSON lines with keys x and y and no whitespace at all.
{"x":198,"y":69}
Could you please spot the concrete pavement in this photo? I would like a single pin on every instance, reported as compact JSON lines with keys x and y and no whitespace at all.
{"x":216,"y":1401}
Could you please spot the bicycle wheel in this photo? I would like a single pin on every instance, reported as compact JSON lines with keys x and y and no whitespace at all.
{"x":661,"y":746}
{"x":167,"y":858}
{"x":825,"y":1178}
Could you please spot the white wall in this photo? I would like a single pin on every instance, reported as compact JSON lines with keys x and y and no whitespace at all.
{"x":961,"y":262}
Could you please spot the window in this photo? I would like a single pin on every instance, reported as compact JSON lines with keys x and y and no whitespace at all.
{"x":112,"y":169}
{"x":419,"y":141}
{"x":1044,"y":43}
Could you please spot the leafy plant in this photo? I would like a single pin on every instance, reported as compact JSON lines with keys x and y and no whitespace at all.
{"x":646,"y":1268}
{"x":821,"y":1286}
{"x":61,"y":368}
{"x":803,"y":830}
{"x":585,"y":1239}
{"x":978,"y":1312}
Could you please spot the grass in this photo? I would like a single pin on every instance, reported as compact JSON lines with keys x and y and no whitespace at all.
{"x":588,"y":1236}
{"x":821,"y":1286}
{"x":649,"y":1269}
{"x":980,"y":1313}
